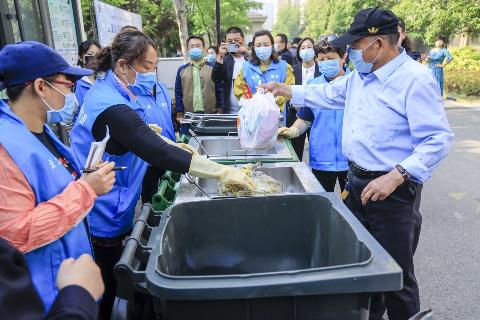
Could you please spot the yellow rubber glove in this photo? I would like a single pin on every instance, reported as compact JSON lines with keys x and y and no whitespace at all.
{"x":204,"y":168}
{"x":183,"y":146}
{"x":291,"y":132}
{"x":155,"y":128}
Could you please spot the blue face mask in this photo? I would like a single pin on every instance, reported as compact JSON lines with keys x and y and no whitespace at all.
{"x":211,"y":58}
{"x":263,"y":53}
{"x":64,"y":114}
{"x":195,"y":54}
{"x":356,"y":56}
{"x":329,"y":68}
{"x":144,"y":81}
{"x":307,"y":55}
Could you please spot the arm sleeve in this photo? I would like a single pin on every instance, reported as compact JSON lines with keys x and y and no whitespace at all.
{"x":75,"y":303}
{"x":18,"y":297}
{"x":306,"y":114}
{"x":28,"y":227}
{"x":133,"y":134}
{"x":431,"y":134}
{"x":179,"y":107}
{"x":219,"y":94}
{"x":219,"y":73}
{"x":290,"y":80}
{"x":329,"y":96}
{"x":448,"y":55}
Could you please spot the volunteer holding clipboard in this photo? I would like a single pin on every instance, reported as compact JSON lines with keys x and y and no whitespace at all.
{"x":44,"y":199}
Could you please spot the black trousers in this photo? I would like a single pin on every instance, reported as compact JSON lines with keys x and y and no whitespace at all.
{"x":150,"y":183}
{"x":395,"y":223}
{"x":107,"y":252}
{"x":328,"y":179}
{"x":298,"y":143}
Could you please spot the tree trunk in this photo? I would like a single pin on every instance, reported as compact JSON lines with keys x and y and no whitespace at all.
{"x":181,"y":17}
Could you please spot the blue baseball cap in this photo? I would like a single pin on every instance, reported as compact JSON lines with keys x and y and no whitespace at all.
{"x":29,"y":60}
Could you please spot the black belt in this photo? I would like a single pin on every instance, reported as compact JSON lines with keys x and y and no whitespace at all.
{"x":364,"y":173}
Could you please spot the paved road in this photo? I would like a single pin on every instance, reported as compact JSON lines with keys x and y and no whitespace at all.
{"x":448,"y":257}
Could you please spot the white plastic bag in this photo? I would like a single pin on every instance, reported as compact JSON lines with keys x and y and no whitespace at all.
{"x":258,"y":121}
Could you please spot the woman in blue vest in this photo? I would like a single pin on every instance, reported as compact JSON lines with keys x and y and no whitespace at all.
{"x":264,"y":66}
{"x":44,"y":198}
{"x":325,"y":141}
{"x":437,"y":59}
{"x":129,"y":67}
{"x":87,"y":52}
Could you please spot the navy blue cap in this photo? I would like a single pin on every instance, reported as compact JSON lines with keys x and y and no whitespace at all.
{"x":368,"y":22}
{"x":29,"y":60}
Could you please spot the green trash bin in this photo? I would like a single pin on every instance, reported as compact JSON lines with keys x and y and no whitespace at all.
{"x":302,"y":257}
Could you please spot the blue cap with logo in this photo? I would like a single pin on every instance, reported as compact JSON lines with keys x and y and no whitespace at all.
{"x":29,"y":60}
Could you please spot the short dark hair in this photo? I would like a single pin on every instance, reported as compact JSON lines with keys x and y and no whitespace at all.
{"x":391,"y":39}
{"x":215,"y":48}
{"x":283,"y":37}
{"x":300,"y":44}
{"x":196,"y":37}
{"x":128,"y":45}
{"x":235,"y":30}
{"x":253,"y":58}
{"x":296,"y":40}
{"x":323,"y":46}
{"x":407,"y":42}
{"x":83,"y":49}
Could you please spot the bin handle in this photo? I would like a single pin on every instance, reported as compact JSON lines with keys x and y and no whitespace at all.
{"x":127,"y":275}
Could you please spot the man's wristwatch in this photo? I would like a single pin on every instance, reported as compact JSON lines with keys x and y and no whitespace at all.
{"x":403,"y":172}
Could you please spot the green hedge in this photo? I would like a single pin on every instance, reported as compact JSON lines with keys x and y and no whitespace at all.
{"x":462,"y":75}
{"x":463,"y":82}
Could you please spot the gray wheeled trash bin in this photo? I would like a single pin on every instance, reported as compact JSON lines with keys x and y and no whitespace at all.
{"x":301,"y":256}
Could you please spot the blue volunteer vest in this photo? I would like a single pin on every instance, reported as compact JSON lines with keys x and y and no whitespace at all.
{"x":277,"y":71}
{"x":325,"y":140}
{"x":112,"y":214}
{"x":47,"y":177}
{"x":159,"y":110}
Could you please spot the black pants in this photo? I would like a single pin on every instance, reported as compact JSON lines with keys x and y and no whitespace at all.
{"x":150,"y":183}
{"x":298,"y":143}
{"x":328,"y":179}
{"x":395,"y":223}
{"x":107,"y":252}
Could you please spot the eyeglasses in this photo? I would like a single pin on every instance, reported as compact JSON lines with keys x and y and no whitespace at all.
{"x":68,"y":84}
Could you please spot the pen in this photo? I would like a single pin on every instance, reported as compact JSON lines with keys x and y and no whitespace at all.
{"x":95,"y":169}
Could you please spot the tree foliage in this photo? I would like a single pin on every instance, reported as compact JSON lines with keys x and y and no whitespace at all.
{"x":331,"y":16}
{"x":158,"y":19}
{"x":201,"y":13}
{"x":288,"y":21}
{"x":425,"y":19}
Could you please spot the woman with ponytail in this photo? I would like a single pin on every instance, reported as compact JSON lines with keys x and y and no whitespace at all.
{"x":117,"y":102}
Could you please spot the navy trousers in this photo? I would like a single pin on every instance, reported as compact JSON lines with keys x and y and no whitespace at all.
{"x":395,"y":223}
